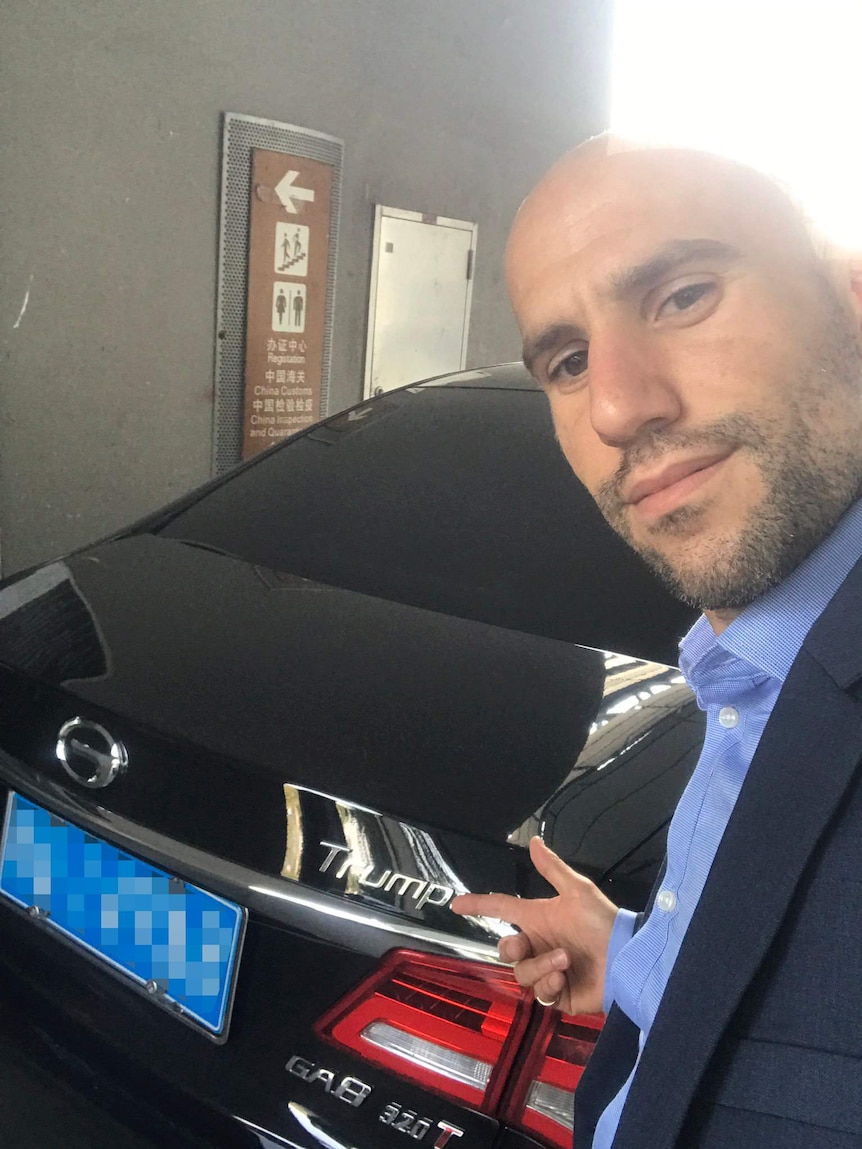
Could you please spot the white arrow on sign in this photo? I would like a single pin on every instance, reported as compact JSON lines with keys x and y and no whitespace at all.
{"x":352,"y":416}
{"x":287,"y":193}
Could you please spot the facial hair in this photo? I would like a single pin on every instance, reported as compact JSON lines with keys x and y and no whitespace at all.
{"x":810,"y":476}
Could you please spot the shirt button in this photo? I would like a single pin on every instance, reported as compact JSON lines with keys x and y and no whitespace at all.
{"x":728,"y":717}
{"x":666,"y":900}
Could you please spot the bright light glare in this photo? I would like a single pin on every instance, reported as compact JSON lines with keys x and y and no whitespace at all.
{"x":773,"y":83}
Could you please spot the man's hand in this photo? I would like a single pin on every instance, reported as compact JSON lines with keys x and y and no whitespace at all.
{"x":562,"y":948}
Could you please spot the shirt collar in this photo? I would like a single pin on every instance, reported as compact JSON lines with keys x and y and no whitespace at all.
{"x":769,"y":633}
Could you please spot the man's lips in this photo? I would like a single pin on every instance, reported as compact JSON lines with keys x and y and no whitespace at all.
{"x":668,"y":488}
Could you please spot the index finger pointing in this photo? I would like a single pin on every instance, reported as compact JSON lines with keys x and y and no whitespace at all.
{"x":501,"y":906}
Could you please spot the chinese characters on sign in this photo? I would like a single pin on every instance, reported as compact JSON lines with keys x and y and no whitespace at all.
{"x":287,"y":269}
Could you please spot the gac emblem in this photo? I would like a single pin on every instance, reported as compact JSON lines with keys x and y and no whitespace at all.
{"x":89,"y":754}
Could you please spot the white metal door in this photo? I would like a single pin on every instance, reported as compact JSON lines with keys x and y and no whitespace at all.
{"x":421,"y":289}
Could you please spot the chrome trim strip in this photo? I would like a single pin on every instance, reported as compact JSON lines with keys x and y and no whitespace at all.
{"x":266,"y":1138}
{"x":335,"y":798}
{"x":313,"y":1125}
{"x":288,"y":903}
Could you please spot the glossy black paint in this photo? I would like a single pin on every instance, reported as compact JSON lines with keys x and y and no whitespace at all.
{"x":342,"y":690}
{"x":455,"y":498}
{"x":380,"y":619}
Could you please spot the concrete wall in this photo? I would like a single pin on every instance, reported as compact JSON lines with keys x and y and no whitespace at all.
{"x":110,"y":133}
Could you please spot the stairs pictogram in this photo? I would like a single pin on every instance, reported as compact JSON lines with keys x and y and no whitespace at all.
{"x":291,"y":262}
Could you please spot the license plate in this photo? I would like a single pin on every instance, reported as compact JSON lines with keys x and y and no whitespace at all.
{"x":175,"y":942}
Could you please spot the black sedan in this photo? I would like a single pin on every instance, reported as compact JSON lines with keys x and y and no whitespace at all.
{"x":252,"y":747}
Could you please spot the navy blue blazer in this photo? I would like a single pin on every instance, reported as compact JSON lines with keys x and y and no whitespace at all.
{"x":757,"y":1043}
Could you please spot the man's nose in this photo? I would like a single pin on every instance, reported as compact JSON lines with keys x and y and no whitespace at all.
{"x":632,"y":386}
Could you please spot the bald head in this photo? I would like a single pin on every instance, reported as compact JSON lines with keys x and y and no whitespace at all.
{"x":610,"y":186}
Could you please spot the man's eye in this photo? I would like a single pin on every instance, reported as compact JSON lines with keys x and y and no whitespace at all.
{"x":569,"y":367}
{"x":685,"y":298}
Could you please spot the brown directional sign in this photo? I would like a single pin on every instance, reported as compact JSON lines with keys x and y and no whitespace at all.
{"x":287,"y":266}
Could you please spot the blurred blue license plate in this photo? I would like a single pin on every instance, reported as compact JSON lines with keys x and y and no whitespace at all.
{"x":177,"y":943}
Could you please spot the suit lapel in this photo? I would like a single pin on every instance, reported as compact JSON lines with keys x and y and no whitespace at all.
{"x":806,"y":760}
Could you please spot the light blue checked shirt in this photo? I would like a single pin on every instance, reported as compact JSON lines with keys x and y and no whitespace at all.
{"x":736,"y":677}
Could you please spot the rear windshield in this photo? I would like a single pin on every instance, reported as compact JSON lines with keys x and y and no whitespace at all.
{"x":452,"y":498}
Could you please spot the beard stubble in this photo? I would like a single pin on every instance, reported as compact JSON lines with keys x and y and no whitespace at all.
{"x":810,"y":476}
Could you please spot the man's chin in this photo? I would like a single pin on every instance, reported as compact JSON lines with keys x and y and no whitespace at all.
{"x":697,"y":588}
{"x":703,"y":566}
{"x":702,"y":571}
{"x":724,"y":576}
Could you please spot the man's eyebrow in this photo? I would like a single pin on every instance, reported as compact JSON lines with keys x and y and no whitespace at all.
{"x":667,"y":259}
{"x":670,"y":257}
{"x":548,"y":340}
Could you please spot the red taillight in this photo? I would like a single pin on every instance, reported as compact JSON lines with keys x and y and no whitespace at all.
{"x":456,"y":1027}
{"x":542,"y":1099}
{"x":452,"y":1026}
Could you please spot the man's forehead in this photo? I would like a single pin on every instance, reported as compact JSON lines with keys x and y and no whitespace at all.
{"x":603,"y":212}
{"x":611,"y":256}
{"x":635,"y":174}
{"x":631,"y":194}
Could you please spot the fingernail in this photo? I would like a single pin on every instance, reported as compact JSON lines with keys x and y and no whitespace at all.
{"x":559,"y":959}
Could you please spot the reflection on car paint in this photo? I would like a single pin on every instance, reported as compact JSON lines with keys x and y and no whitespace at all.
{"x":637,"y":695}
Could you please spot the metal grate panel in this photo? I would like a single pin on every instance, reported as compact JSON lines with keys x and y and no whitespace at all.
{"x":241,"y":134}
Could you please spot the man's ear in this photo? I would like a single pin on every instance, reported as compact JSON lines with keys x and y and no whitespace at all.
{"x":853,"y":280}
{"x":844,"y":272}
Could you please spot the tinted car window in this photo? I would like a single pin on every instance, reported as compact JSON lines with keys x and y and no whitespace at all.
{"x":453,"y":498}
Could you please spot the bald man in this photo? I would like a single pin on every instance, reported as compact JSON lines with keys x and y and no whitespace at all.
{"x":703,"y":363}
